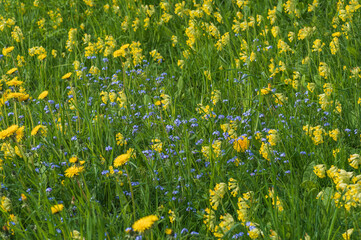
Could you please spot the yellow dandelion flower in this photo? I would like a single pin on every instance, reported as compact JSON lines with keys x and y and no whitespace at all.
{"x":43,"y":95}
{"x":9,"y":131}
{"x":38,"y":128}
{"x":11,"y":71}
{"x":73,"y":171}
{"x":66,"y":76}
{"x":6,"y":50}
{"x":57,"y":208}
{"x":122,"y":159}
{"x":144,"y":223}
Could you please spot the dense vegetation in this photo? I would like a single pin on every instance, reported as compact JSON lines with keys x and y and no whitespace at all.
{"x":171,"y":119}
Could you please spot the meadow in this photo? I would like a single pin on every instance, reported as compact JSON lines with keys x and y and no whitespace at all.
{"x":169,"y":119}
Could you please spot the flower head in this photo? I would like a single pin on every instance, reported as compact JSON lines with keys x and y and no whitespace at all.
{"x":9,"y":131}
{"x":57,"y":208}
{"x":43,"y":95}
{"x":144,"y":223}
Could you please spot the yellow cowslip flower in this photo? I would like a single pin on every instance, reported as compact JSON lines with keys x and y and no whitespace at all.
{"x":313,"y":6}
{"x":347,"y":234}
{"x":272,"y":15}
{"x":311,"y":87}
{"x":280,"y":98}
{"x":317,"y":45}
{"x":209,"y":219}
{"x":254,"y":232}
{"x":5,"y":204}
{"x":320,"y":170}
{"x":334,"y":45}
{"x":354,"y":160}
{"x":241,"y":144}
{"x":233,"y":187}
{"x":216,"y":95}
{"x":275,"y":31}
{"x":334,"y":134}
{"x":217,"y":194}
{"x":283,"y":46}
{"x":324,"y":70}
{"x":305,"y":32}
{"x":120,"y":139}
{"x":17,"y":34}
{"x":23,"y":197}
{"x":157,"y":145}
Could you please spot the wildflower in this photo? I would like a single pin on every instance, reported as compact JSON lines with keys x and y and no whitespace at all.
{"x":171,"y":216}
{"x":254,"y":232}
{"x":216,"y":95}
{"x":5,"y":204}
{"x":272,"y":137}
{"x":233,"y":187}
{"x":334,"y":134}
{"x":226,"y":225}
{"x":217,"y":194}
{"x":280,"y":98}
{"x":320,"y":170}
{"x":334,"y":45}
{"x":57,"y":208}
{"x":122,"y":159}
{"x":11,"y":71}
{"x":324,"y":70}
{"x":157,"y":145}
{"x":9,"y":131}
{"x":276,"y":202}
{"x":168,"y":231}
{"x":311,"y":87}
{"x":66,"y":76}
{"x":38,"y":128}
{"x":17,"y":34}
{"x":317,"y":45}
{"x":242,"y":144}
{"x":305,"y":32}
{"x":313,"y":6}
{"x":14,"y":82}
{"x":76,"y":235}
{"x":265,"y":151}
{"x":19,"y":96}
{"x":120,"y":139}
{"x":354,"y":160}
{"x":73,"y":159}
{"x":7,"y":50}
{"x":20,"y":133}
{"x":209,"y":219}
{"x":73,"y":171}
{"x":347,"y":234}
{"x":144,"y":223}
{"x":23,"y":197}
{"x":43,"y":95}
